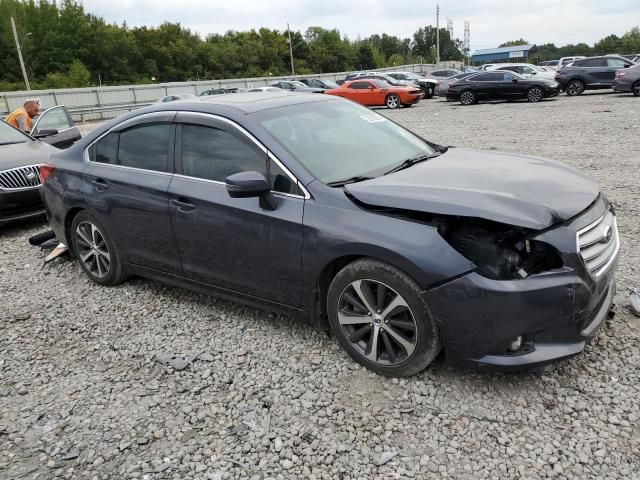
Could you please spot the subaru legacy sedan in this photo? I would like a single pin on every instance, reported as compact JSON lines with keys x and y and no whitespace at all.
{"x":315,"y":206}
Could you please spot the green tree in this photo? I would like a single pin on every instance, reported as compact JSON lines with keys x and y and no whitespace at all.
{"x":514,"y":43}
{"x":78,"y":75}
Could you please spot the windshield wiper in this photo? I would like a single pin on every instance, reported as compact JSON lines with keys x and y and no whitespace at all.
{"x":357,"y":178}
{"x":412,"y":161}
{"x":10,"y":143}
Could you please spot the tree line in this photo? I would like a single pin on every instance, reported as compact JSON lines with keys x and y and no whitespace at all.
{"x":629,"y":43}
{"x":65,"y":46}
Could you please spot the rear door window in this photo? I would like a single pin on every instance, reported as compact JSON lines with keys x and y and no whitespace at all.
{"x":145,"y":146}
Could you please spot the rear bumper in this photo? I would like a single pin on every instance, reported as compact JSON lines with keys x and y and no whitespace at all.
{"x":20,"y":204}
{"x":621,"y":86}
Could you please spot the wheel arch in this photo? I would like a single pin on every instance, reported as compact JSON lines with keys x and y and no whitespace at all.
{"x":326,"y":273}
{"x":68,"y":221}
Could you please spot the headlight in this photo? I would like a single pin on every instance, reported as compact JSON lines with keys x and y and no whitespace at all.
{"x":500,"y":252}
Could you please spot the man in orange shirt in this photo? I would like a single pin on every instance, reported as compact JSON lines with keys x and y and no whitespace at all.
{"x":21,"y":117}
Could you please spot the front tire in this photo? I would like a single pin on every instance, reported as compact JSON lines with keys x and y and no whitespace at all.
{"x":378,"y":315}
{"x":95,"y":250}
{"x":535,"y":94}
{"x":392,"y":101}
{"x":468,"y":98}
{"x":574,"y":88}
{"x":636,"y":88}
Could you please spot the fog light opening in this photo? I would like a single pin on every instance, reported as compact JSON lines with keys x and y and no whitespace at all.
{"x":516,"y":344}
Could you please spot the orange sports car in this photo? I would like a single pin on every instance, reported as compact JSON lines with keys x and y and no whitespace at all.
{"x":373,"y":93}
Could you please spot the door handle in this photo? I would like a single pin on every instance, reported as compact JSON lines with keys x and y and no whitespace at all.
{"x":183,"y":204}
{"x":100,"y":184}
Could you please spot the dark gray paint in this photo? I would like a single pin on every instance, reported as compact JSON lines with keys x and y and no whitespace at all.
{"x":277,"y":258}
{"x":514,"y":189}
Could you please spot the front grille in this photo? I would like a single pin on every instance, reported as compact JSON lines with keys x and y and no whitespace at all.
{"x":20,"y":178}
{"x":599,"y":243}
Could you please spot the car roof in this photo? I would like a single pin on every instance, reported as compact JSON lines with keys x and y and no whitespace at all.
{"x":248,"y":102}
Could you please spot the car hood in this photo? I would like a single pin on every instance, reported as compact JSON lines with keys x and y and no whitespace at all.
{"x":519,"y":190}
{"x":21,"y":154}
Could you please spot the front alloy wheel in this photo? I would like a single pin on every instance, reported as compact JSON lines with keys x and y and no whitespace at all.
{"x":535,"y":94}
{"x":377,"y":321}
{"x":392,"y":101}
{"x":574,"y":87}
{"x":379,"y":316}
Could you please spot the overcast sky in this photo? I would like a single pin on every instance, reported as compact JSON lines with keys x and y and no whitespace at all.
{"x":492,"y":21}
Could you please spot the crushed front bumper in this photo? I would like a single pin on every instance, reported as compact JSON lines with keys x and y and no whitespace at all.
{"x":555,"y":313}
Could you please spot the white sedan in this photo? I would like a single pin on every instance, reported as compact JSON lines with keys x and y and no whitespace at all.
{"x":524,"y":69}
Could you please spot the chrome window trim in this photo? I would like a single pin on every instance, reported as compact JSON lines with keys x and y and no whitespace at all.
{"x":217,"y":182}
{"x":242,"y":130}
{"x":264,"y":149}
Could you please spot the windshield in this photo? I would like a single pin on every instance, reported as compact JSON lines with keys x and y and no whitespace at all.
{"x":298,"y":84}
{"x":337,"y":140}
{"x":9,"y":135}
{"x":330,"y":84}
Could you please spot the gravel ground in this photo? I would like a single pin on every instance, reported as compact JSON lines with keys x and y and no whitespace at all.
{"x":83,"y":395}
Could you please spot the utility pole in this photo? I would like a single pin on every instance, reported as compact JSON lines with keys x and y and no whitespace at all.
{"x":24,"y":70}
{"x":293,"y":71}
{"x":437,"y":35}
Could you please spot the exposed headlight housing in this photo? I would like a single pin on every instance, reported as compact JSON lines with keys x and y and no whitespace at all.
{"x":500,"y":252}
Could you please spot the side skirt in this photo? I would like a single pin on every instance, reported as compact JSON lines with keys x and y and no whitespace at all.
{"x":213,"y":291}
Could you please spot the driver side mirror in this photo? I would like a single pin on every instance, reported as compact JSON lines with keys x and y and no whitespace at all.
{"x":251,"y":184}
{"x":627,"y":65}
{"x":371,"y":87}
{"x":44,"y":133}
{"x":514,"y":80}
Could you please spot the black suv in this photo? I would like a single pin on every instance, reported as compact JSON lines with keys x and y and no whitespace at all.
{"x":590,"y":73}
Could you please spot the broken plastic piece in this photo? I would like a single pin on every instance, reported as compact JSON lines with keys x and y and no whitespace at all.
{"x":56,"y":252}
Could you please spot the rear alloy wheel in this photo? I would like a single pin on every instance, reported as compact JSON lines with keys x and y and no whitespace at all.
{"x":636,"y":88}
{"x":95,"y":250}
{"x":379,"y":317}
{"x":574,"y":87}
{"x":429,"y":92}
{"x":392,"y":101}
{"x":535,"y":94}
{"x":467,"y":97}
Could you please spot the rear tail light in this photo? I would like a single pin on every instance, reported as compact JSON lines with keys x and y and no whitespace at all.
{"x":620,"y":74}
{"x":46,"y":170}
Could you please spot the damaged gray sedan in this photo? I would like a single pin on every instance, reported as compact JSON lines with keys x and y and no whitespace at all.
{"x":317,"y":207}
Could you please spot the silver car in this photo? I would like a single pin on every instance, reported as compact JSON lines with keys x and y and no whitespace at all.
{"x":628,"y":80}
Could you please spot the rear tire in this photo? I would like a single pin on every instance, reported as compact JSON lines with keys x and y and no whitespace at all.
{"x":379,"y":317}
{"x":574,"y":88}
{"x":428,"y":92}
{"x":468,"y":98}
{"x":636,"y":88}
{"x":392,"y":101}
{"x":95,"y":250}
{"x":535,"y":94}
